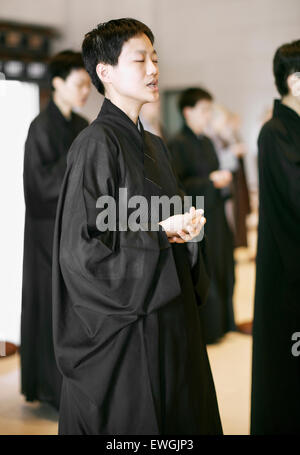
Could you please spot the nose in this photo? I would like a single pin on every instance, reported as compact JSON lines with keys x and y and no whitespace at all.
{"x":87,"y":89}
{"x":152,"y":68}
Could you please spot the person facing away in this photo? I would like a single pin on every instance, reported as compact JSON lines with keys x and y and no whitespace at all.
{"x":276,"y":330}
{"x":127,"y":334}
{"x":197,"y":167}
{"x":49,"y":138}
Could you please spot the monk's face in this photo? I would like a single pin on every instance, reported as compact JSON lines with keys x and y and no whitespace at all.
{"x":75,"y":89}
{"x":135,"y":77}
{"x":293,"y":82}
{"x":199,"y":116}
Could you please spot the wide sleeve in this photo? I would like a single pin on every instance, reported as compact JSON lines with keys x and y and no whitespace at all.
{"x":43,"y":172}
{"x":109,"y":279}
{"x":279,"y":177}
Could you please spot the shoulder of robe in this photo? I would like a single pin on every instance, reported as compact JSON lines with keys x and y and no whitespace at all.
{"x":80,"y":121}
{"x":208,"y":141}
{"x":93,"y":144}
{"x":40,"y":129}
{"x":177,"y":142}
{"x":271,"y":131}
{"x":40,"y":122}
{"x":274,"y":141}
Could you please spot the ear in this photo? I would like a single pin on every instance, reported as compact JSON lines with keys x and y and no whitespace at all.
{"x":103,"y":72}
{"x":57,"y":82}
{"x":186,"y":111}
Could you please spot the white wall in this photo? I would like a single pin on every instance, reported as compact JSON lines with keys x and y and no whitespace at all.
{"x":225,"y":45}
{"x":45,"y":12}
{"x":14,"y":126}
{"x":228,"y":47}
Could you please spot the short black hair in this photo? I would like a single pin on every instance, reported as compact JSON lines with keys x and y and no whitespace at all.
{"x":61,"y":64}
{"x":286,"y":61}
{"x":104,"y":44}
{"x":191,"y":96}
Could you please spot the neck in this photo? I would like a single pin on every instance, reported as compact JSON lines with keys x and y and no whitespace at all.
{"x":292,"y":102}
{"x":195,"y":130}
{"x":64,"y":108}
{"x":127,"y":105}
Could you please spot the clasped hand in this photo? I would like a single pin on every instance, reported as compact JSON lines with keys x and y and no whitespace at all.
{"x":184,"y":227}
{"x":220,"y":178}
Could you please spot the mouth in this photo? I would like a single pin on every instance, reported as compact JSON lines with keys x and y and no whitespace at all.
{"x":153,"y":84}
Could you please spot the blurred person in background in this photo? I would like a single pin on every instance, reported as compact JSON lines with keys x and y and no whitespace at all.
{"x":198,"y":169}
{"x":224,"y":131}
{"x":49,"y":138}
{"x":276,"y":329}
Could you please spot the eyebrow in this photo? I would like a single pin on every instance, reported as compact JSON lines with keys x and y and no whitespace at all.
{"x":145,"y":52}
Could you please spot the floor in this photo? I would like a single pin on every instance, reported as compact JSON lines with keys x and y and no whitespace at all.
{"x":230,"y":363}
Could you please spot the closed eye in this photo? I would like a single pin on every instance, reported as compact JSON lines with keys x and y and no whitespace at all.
{"x":141,"y":61}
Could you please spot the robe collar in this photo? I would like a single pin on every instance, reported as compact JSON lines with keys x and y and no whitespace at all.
{"x":109,"y":109}
{"x":187,"y":130}
{"x":283,"y":110}
{"x":291,"y":120}
{"x":117,"y":116}
{"x":57,"y":114}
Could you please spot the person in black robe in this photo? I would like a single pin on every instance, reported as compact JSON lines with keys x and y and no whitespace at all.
{"x":127,"y":334}
{"x":276,"y":329}
{"x":197,"y":167}
{"x":49,"y":138}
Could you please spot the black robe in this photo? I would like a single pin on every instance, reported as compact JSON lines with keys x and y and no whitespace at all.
{"x":49,"y":138}
{"x":127,"y":335}
{"x":241,"y":201}
{"x":194,"y":159}
{"x":276,"y":371}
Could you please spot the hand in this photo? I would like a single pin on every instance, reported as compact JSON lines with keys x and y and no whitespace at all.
{"x":192,"y":231}
{"x":175,"y":223}
{"x":220,"y":178}
{"x":183,"y":228}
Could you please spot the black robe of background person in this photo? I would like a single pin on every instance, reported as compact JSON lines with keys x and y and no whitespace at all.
{"x":275,"y":371}
{"x":194,"y":159}
{"x":127,"y":334}
{"x":241,"y":201}
{"x":49,"y":138}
